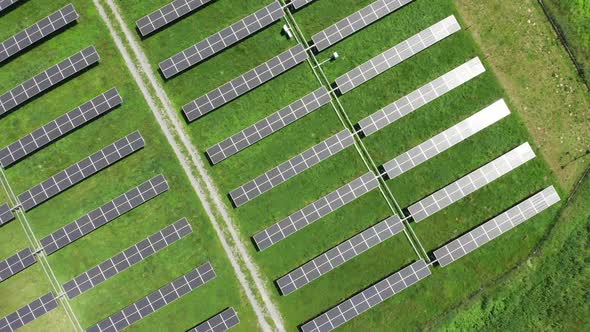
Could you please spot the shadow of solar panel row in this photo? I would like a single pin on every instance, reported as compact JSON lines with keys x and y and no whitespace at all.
{"x":268,"y":126}
{"x":156,"y":300}
{"x":471,"y":182}
{"x":296,"y":4}
{"x":446,"y":139}
{"x":48,"y":79}
{"x":223,"y":321}
{"x":316,"y":210}
{"x":167,"y":14}
{"x":397,"y":54}
{"x":339,"y":255}
{"x":6,"y":214}
{"x":421,"y":96}
{"x":497,"y":226}
{"x":104,"y":214}
{"x":28,"y":313}
{"x":7,"y":3}
{"x":355,"y":22}
{"x":59,"y":127}
{"x":292,"y":167}
{"x":127,"y":258}
{"x":222,"y":40}
{"x":368,"y":298}
{"x":37,"y":32}
{"x":245,"y":83}
{"x":16,"y":263}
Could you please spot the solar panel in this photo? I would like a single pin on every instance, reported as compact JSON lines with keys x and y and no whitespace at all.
{"x":368,"y":298}
{"x":127,"y":258}
{"x":316,"y":210}
{"x":471,"y":182}
{"x":222,"y":40}
{"x":59,"y":127}
{"x":104,"y":214}
{"x":156,"y":300}
{"x":269,"y":125}
{"x":81,"y":171}
{"x":16,"y":263}
{"x":245,"y":83}
{"x":447,"y":139}
{"x":296,"y":4}
{"x":339,"y":255}
{"x":167,"y":14}
{"x":497,"y":226}
{"x":38,"y":31}
{"x":28,"y":313}
{"x":7,"y":3}
{"x":397,"y":54}
{"x":292,"y":167}
{"x":6,"y":214}
{"x":421,"y":96}
{"x":355,"y":22}
{"x":48,"y":79}
{"x":223,"y":321}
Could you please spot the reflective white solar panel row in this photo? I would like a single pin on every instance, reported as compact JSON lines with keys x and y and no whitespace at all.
{"x":48,"y":79}
{"x":222,"y":40}
{"x":127,"y":258}
{"x":7,"y":3}
{"x":368,"y":298}
{"x":397,"y":54}
{"x":28,"y":313}
{"x":16,"y":263}
{"x":104,"y":214}
{"x":496,"y":226}
{"x":471,"y":182}
{"x":167,"y":14}
{"x":156,"y":300}
{"x":316,"y":210}
{"x":37,"y":32}
{"x":223,"y":321}
{"x":421,"y":96}
{"x":296,"y":4}
{"x":355,"y":22}
{"x":268,"y":125}
{"x":447,"y":139}
{"x":292,"y":167}
{"x":245,"y":83}
{"x":6,"y":214}
{"x":339,"y":255}
{"x":59,"y":127}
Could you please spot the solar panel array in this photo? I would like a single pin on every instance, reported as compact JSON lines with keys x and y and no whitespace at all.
{"x":268,"y":125}
{"x":28,"y":313}
{"x":222,"y":40}
{"x":397,"y":54}
{"x":167,"y":14}
{"x":104,"y":214}
{"x":156,"y":300}
{"x":421,"y":96}
{"x":59,"y":127}
{"x":368,"y":298}
{"x":292,"y":167}
{"x":316,"y":210}
{"x":245,"y":83}
{"x":7,"y":3}
{"x":497,"y":226}
{"x":48,"y":79}
{"x":16,"y":263}
{"x":6,"y":214}
{"x":127,"y":258}
{"x":339,"y":255}
{"x":296,"y":4}
{"x":223,"y":321}
{"x":447,"y":139}
{"x":37,"y":32}
{"x":471,"y":182}
{"x":355,"y":22}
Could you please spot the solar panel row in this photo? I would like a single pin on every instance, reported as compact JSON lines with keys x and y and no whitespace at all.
{"x":268,"y":125}
{"x":296,"y":4}
{"x":368,"y":298}
{"x":339,"y":255}
{"x":6,"y":214}
{"x":245,"y":83}
{"x":104,"y":214}
{"x":167,"y":14}
{"x":222,"y":40}
{"x":223,"y":321}
{"x":471,"y":182}
{"x":59,"y":127}
{"x":497,"y":226}
{"x":7,"y":3}
{"x":28,"y":313}
{"x":316,"y":210}
{"x":16,"y":263}
{"x":156,"y":300}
